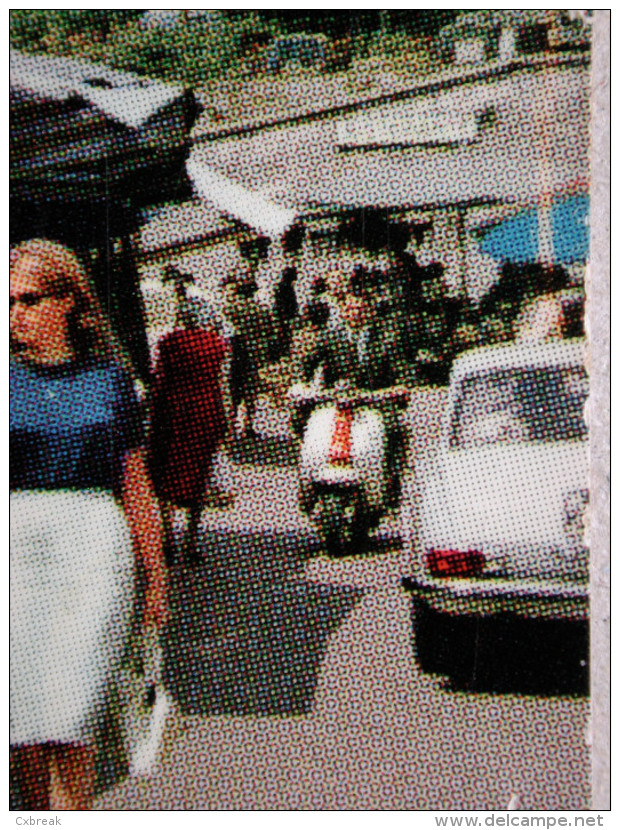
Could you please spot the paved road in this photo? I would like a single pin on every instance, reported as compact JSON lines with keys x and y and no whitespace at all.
{"x":295,"y":683}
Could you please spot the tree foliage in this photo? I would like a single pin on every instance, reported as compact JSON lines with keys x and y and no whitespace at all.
{"x":186,"y":47}
{"x":192,"y":46}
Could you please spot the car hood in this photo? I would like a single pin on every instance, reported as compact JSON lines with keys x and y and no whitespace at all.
{"x":522,"y":505}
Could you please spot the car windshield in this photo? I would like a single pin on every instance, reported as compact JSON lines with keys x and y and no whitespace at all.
{"x":516,"y":406}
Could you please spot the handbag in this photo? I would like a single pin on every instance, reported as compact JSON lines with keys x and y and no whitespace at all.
{"x":144,"y":703}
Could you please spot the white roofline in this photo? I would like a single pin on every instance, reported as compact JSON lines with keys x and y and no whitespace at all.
{"x":237,"y":201}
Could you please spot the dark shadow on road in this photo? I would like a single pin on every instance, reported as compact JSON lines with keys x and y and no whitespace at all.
{"x":244,"y":638}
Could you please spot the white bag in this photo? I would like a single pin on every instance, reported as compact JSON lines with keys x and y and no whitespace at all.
{"x":144,"y":704}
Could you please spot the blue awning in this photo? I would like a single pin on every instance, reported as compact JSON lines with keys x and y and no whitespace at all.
{"x":518,"y":239}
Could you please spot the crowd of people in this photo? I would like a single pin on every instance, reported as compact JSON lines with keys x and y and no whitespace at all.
{"x":210,"y":371}
{"x":99,"y":476}
{"x":349,"y":330}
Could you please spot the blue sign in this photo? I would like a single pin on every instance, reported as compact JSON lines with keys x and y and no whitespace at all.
{"x":517,"y":239}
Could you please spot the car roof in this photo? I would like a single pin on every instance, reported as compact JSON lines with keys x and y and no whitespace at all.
{"x":515,"y":355}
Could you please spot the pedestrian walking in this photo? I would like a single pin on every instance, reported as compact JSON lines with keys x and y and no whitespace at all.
{"x":310,"y":342}
{"x":84,"y":520}
{"x":338,"y":290}
{"x":286,"y":309}
{"x":310,"y":357}
{"x":253,"y":342}
{"x":188,"y":421}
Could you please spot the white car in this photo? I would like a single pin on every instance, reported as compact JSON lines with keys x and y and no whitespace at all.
{"x":500,"y":530}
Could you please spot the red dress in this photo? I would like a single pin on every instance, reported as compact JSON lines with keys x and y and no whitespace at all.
{"x":188,"y":420}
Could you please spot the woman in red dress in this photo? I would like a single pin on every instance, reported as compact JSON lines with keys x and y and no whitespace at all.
{"x":188,"y":420}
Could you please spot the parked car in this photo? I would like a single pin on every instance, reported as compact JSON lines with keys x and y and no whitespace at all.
{"x":500,"y":529}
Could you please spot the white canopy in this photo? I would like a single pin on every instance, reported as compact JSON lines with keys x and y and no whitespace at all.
{"x":517,"y":137}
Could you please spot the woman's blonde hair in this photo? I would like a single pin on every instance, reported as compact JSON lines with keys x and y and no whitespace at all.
{"x":62,"y":274}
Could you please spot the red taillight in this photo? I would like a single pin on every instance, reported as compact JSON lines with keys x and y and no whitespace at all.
{"x":340,"y":446}
{"x":455,"y":562}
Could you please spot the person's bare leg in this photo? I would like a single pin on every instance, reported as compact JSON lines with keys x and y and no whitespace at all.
{"x":73,"y":775}
{"x":30,"y":770}
{"x":216,"y":496}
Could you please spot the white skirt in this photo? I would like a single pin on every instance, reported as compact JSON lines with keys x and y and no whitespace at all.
{"x":72,"y":601}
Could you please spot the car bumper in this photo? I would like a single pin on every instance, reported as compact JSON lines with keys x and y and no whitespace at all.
{"x":529,"y":600}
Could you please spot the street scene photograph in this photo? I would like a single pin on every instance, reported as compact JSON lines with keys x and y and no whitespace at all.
{"x":301,"y":361}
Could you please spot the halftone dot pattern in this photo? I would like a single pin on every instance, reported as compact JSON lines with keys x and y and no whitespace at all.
{"x":188,"y":420}
{"x":372,"y":199}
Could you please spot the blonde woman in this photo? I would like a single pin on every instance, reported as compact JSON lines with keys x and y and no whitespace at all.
{"x":84,"y":523}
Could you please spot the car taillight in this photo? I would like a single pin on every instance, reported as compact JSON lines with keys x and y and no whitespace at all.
{"x":340,"y":445}
{"x":455,"y":562}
